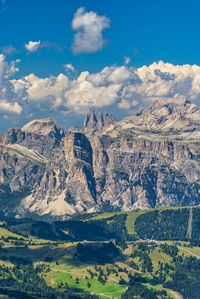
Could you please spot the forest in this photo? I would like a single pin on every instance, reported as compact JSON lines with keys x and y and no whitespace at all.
{"x":169,"y":224}
{"x":146,"y":254}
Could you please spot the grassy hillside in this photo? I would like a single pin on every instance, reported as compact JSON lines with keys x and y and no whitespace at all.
{"x":68,"y":257}
{"x":130,"y":221}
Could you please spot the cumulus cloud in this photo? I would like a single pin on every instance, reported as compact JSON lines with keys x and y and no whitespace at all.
{"x":32,"y":46}
{"x":162,"y":82}
{"x":122,"y":86}
{"x":115,"y":87}
{"x":45,"y":88}
{"x":89,"y":27}
{"x":9,"y":107}
{"x":168,"y":81}
{"x":80,"y":94}
{"x":9,"y":103}
{"x":122,"y":75}
{"x":84,"y":95}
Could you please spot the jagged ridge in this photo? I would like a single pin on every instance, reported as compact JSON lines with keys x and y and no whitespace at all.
{"x":103,"y":120}
{"x":149,"y":159}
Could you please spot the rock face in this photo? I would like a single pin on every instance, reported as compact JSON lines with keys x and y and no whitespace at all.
{"x":68,"y":183}
{"x":103,"y":120}
{"x":24,"y":156}
{"x":146,"y":160}
{"x":45,"y":127}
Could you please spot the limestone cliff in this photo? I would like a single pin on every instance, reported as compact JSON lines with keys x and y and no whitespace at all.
{"x":149,"y":159}
{"x":91,"y":122}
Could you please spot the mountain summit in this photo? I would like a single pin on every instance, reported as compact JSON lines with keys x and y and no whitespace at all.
{"x":162,"y":121}
{"x":146,"y":160}
{"x":46,"y":126}
{"x":103,"y":120}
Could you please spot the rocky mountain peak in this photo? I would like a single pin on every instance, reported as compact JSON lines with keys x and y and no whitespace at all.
{"x":180,"y":121}
{"x":146,"y":160}
{"x":103,"y":120}
{"x":90,"y":121}
{"x":168,"y":108}
{"x":13,"y":136}
{"x":46,"y":127}
{"x":176,"y":116}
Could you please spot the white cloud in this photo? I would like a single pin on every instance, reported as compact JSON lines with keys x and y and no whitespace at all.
{"x":124,"y":105}
{"x":69,"y":67}
{"x":10,"y":107}
{"x":96,"y":90}
{"x":127,"y":60}
{"x":47,"y":88}
{"x":121,"y":74}
{"x":163,"y":82}
{"x":169,"y":81}
{"x":8,"y":99}
{"x":89,"y":27}
{"x":84,"y":95}
{"x":57,"y":103}
{"x":121,"y":87}
{"x":32,"y":46}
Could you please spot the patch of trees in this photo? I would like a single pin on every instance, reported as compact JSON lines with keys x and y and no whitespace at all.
{"x":45,"y":230}
{"x":97,"y":253}
{"x":96,"y":230}
{"x":121,"y":244}
{"x":9,"y":198}
{"x":78,"y":228}
{"x":195,"y":242}
{"x":10,"y":238}
{"x":137,"y":289}
{"x":186,"y":277}
{"x":14,"y":231}
{"x":170,"y":250}
{"x":133,"y":265}
{"x":39,"y":229}
{"x":143,"y":246}
{"x":181,"y":274}
{"x":23,"y":281}
{"x":16,"y":260}
{"x":11,"y":221}
{"x":167,"y":224}
{"x":144,"y":259}
{"x":196,"y":225}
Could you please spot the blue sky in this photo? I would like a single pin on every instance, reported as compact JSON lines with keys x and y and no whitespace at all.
{"x":142,"y":31}
{"x":157,"y":30}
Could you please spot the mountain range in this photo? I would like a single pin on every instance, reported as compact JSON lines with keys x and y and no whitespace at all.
{"x":146,"y":160}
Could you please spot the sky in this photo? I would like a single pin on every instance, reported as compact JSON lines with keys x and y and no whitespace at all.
{"x":63,"y":58}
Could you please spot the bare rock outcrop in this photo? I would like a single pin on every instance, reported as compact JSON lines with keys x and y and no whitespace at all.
{"x":147,"y":160}
{"x":91,"y":122}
